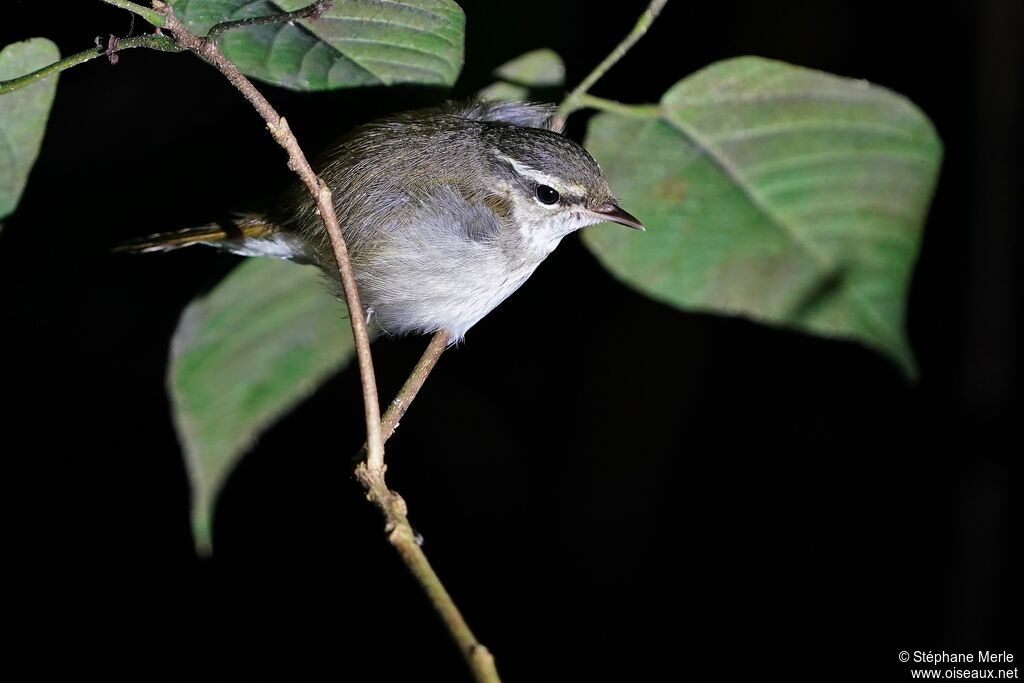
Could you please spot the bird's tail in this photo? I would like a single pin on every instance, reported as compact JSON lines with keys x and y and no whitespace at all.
{"x":250,"y":235}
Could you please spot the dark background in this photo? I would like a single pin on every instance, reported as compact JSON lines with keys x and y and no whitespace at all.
{"x":613,"y":490}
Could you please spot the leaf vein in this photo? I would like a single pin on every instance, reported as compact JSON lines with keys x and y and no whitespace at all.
{"x":812,"y":159}
{"x":775,"y":129}
{"x":372,"y":41}
{"x":734,"y":173}
{"x":409,"y":27}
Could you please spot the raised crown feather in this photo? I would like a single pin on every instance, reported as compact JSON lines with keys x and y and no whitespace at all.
{"x":528,"y":114}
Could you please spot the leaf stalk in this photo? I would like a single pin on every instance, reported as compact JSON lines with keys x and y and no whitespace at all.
{"x":574,"y":100}
{"x":309,"y":12}
{"x":152,"y":16}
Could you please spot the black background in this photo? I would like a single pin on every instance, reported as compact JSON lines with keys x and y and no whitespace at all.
{"x":613,"y":490}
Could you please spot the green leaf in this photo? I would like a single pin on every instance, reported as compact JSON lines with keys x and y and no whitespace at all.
{"x":541,"y":68}
{"x":500,"y":91}
{"x":244,"y":355}
{"x":23,"y":115}
{"x":356,"y":43}
{"x":534,"y":70}
{"x":788,"y":195}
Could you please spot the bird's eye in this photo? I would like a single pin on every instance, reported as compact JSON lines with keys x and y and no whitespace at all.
{"x":547,"y":194}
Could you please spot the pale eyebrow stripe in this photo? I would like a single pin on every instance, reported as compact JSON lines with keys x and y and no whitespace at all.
{"x":528,"y":171}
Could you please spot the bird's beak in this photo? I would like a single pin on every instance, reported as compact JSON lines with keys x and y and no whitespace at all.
{"x":614,"y":214}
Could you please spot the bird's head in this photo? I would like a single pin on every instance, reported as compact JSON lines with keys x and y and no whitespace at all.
{"x":553,"y":185}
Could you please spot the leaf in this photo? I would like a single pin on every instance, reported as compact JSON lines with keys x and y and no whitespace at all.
{"x":534,"y":70}
{"x":541,"y":68}
{"x":500,"y":91}
{"x":243,"y":356}
{"x":788,"y":195}
{"x":355,"y":43}
{"x":23,"y":115}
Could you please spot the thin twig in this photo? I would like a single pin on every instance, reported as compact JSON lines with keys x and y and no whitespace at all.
{"x":400,"y":532}
{"x":396,"y":410}
{"x":402,"y":537}
{"x":413,"y":383}
{"x":477,"y":656}
{"x":278,"y":126}
{"x":154,"y":42}
{"x":573,"y":101}
{"x":311,"y":12}
{"x":370,"y":472}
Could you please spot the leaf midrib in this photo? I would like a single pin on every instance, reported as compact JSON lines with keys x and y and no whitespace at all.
{"x":720,"y":159}
{"x":361,"y":63}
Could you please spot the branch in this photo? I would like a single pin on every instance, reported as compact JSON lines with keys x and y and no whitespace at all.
{"x":405,"y":541}
{"x":155,"y":42}
{"x":400,"y":532}
{"x":395,"y":411}
{"x":370,"y":472}
{"x":278,"y":127}
{"x":574,"y":99}
{"x":407,"y":394}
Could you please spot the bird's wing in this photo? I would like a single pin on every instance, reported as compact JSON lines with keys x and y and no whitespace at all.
{"x":451,"y":212}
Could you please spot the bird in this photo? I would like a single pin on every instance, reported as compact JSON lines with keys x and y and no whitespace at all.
{"x":446,"y":211}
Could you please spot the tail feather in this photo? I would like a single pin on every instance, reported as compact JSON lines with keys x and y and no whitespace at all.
{"x":213,"y":235}
{"x":248,"y":236}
